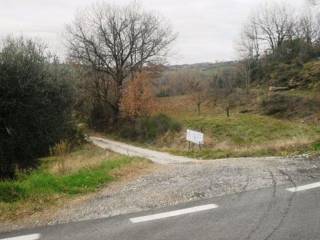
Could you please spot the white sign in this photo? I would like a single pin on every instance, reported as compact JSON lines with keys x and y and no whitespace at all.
{"x":195,"y":137}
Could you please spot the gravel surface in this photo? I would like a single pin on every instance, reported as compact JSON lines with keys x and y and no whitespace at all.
{"x":173,"y":183}
{"x":126,"y":149}
{"x":179,"y":183}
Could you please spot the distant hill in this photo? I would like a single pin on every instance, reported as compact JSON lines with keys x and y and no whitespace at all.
{"x":207,"y":67}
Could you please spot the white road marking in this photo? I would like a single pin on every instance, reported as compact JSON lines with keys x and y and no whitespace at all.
{"x":304,"y":188}
{"x":35,"y":236}
{"x":173,"y":213}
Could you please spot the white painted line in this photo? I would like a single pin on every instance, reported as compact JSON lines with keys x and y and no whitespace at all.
{"x":173,"y":213}
{"x":305,"y":187}
{"x":35,"y":236}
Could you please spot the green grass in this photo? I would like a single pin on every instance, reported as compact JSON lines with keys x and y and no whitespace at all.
{"x":244,"y":129}
{"x":41,"y":183}
{"x":89,"y":169}
{"x":246,"y":135}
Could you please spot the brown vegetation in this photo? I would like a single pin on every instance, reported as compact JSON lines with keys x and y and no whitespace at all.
{"x":138,"y":100}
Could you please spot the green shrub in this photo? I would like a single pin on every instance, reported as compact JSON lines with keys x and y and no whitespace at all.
{"x":35,"y":104}
{"x":11,"y":192}
{"x":149,"y":128}
{"x":316,"y":146}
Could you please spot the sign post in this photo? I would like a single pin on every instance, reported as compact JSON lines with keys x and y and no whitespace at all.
{"x":195,"y":137}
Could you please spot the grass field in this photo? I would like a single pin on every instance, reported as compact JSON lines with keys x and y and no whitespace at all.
{"x":239,"y":135}
{"x":85,"y":170}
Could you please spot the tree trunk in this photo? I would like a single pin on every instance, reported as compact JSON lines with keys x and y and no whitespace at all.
{"x":199,"y":108}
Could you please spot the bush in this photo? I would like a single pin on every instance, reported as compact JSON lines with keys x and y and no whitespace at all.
{"x":35,"y":104}
{"x":148,"y":128}
{"x":289,"y":107}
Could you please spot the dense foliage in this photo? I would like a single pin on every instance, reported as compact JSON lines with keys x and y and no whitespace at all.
{"x":35,"y":104}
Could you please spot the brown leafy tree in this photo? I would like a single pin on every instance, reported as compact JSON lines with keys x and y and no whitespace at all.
{"x":138,"y":99}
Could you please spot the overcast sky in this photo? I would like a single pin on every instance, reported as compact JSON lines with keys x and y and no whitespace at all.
{"x":207,"y":29}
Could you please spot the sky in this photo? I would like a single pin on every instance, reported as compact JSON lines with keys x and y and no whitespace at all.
{"x":207,"y":29}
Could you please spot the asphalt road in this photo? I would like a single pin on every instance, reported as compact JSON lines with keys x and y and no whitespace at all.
{"x":273,"y":213}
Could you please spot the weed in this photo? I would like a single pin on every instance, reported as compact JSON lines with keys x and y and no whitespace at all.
{"x":61,"y":149}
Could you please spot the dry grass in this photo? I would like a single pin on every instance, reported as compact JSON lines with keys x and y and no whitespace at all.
{"x":213,"y":148}
{"x":182,"y":106}
{"x":88,"y":156}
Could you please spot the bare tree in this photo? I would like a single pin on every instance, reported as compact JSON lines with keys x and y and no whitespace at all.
{"x":222,"y":88}
{"x":117,"y":41}
{"x":197,"y":88}
{"x":308,"y":27}
{"x":249,"y":50}
{"x":274,"y":23}
{"x":271,"y":31}
{"x":249,"y":45}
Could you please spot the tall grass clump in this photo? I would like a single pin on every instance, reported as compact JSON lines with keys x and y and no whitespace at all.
{"x":60,"y":150}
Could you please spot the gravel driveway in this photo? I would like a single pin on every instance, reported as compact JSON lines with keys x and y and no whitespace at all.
{"x":126,"y":149}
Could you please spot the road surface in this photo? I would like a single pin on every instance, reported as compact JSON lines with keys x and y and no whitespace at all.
{"x":280,"y":212}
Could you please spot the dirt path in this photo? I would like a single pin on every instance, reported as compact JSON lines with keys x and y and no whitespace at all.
{"x":155,"y":156}
{"x":126,"y":149}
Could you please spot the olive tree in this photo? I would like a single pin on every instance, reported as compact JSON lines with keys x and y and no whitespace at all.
{"x":117,"y":41}
{"x":35,"y":104}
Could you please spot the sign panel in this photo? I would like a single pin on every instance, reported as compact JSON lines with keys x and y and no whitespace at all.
{"x":195,"y":137}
